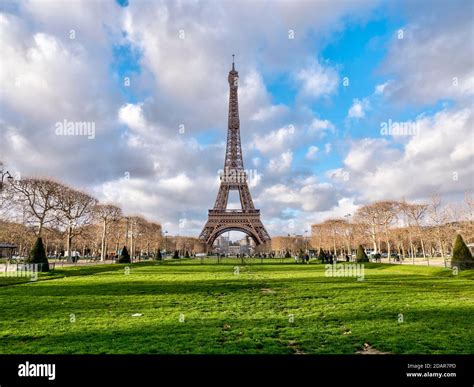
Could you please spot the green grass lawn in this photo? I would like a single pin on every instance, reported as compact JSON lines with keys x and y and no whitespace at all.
{"x":89,"y":310}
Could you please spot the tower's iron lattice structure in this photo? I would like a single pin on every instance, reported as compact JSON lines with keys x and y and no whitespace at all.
{"x":234,"y":177}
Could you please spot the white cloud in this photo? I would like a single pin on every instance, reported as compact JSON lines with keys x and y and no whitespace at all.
{"x":275,"y":141}
{"x":311,"y":153}
{"x":434,"y":60}
{"x":132,"y":116}
{"x":316,"y":80}
{"x":327,"y":148}
{"x":343,"y":207}
{"x":320,"y":127}
{"x":433,"y":160}
{"x":178,"y":183}
{"x":281,"y":164}
{"x":358,"y":108}
{"x":185,"y":82}
{"x":304,"y":194}
{"x":268,"y":112}
{"x":379,"y":89}
{"x":365,"y":152}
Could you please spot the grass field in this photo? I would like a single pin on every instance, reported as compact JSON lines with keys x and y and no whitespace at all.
{"x":194,"y":308}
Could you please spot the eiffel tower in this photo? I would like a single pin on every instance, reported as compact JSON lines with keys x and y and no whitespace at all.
{"x":234,"y":177}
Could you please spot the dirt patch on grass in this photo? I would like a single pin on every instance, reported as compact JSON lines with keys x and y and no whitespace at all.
{"x":369,"y":350}
{"x":294,"y":346}
{"x":267,"y":291}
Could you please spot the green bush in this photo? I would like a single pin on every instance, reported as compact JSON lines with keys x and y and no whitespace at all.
{"x":361,"y":256}
{"x":158,"y":256}
{"x":187,"y":254}
{"x":287,"y":254}
{"x":462,"y":257}
{"x":124,"y":256}
{"x":38,"y":255}
{"x":176,"y":254}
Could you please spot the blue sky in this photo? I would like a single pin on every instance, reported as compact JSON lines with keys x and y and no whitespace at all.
{"x":313,"y":142}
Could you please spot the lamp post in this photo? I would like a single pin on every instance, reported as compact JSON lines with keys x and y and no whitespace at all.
{"x":306,"y":241}
{"x":166,"y":251}
{"x":348,"y":217}
{"x":4,"y":174}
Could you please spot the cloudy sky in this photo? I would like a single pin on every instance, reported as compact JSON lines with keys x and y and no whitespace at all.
{"x":318,"y":82}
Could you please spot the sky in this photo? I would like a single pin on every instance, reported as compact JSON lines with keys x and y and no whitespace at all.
{"x":341,"y":103}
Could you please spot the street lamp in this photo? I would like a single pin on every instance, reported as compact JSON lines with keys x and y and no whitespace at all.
{"x":306,"y":241}
{"x":166,"y":233}
{"x":348,"y":216}
{"x":3,"y":175}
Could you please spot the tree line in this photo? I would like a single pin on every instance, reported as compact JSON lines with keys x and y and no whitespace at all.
{"x":67,"y":220}
{"x":400,"y":228}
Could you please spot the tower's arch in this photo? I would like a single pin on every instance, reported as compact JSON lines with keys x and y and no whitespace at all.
{"x":223,"y":229}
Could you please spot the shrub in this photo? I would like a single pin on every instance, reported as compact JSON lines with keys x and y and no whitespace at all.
{"x":158,"y":256}
{"x":176,"y":254}
{"x":462,"y":257}
{"x":361,"y":256}
{"x":38,"y":255}
{"x":187,"y":254}
{"x":124,"y":256}
{"x":287,"y":254}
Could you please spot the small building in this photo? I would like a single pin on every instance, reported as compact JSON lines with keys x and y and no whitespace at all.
{"x":7,"y":249}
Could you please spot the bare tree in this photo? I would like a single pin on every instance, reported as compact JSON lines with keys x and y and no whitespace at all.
{"x":76,"y":210}
{"x":438,"y":216}
{"x":107,"y":214}
{"x":368,"y":215}
{"x":415,"y":214}
{"x":469,"y":199}
{"x":38,"y":198}
{"x":137,"y":226}
{"x":386,"y":214}
{"x":338,"y":231}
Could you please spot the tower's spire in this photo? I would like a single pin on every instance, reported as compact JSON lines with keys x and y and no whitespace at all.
{"x":233,"y":158}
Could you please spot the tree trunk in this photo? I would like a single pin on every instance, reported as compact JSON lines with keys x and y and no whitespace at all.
{"x":440,"y":242}
{"x":69,"y":241}
{"x":387,"y":241}
{"x":374,"y":238}
{"x":132,"y":246}
{"x":102,"y":244}
{"x":423,"y":247}
{"x":412,"y":251}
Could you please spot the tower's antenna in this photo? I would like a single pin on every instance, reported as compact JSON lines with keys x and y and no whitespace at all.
{"x":233,"y":62}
